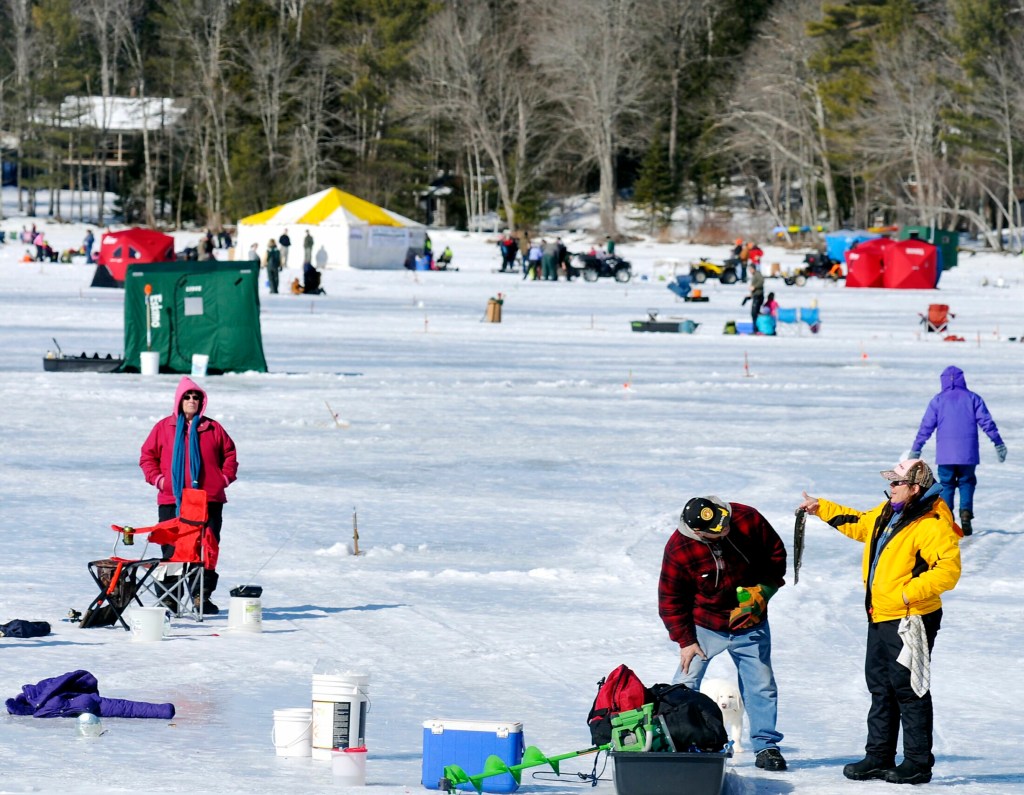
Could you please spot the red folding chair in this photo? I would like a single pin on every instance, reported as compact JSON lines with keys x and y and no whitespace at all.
{"x":179,"y":579}
{"x":175,"y":580}
{"x":937,"y":319}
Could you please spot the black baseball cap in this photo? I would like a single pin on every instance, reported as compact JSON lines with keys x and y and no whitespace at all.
{"x":702,"y":515}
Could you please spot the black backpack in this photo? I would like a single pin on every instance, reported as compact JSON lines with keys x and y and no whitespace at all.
{"x":693,"y":720}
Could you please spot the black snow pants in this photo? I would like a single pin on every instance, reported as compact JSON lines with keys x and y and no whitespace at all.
{"x":893,"y":700}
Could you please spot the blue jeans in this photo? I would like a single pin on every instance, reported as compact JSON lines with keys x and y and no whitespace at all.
{"x":752,"y":652}
{"x":953,"y":475}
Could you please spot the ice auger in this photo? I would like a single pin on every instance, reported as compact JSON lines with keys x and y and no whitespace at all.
{"x":633,"y":730}
{"x":496,"y":766}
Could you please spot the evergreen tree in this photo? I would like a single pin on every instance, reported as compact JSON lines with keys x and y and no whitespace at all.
{"x":656,"y":193}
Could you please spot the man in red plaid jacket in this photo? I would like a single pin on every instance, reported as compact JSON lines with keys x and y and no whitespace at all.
{"x":720,"y":568}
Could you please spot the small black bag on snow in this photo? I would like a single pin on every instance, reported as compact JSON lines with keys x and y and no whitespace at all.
{"x":618,"y":692}
{"x":19,"y":628}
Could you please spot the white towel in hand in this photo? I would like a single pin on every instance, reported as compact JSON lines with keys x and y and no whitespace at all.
{"x":915,"y":653}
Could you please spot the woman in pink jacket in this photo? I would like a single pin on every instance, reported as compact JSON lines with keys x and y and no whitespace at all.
{"x":187,"y":449}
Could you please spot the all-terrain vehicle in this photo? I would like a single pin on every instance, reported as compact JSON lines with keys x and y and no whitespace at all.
{"x":705,"y":269}
{"x":815,"y":264}
{"x":594,"y":267}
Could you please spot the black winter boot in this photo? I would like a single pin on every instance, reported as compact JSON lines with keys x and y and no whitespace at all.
{"x":965,"y":522}
{"x":908,"y":773}
{"x":770,"y":759}
{"x":867,"y":768}
{"x":204,"y":605}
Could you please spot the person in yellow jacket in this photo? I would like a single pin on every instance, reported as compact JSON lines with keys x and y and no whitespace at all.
{"x":911,"y":556}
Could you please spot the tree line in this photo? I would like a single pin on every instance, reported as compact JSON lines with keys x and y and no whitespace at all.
{"x":862,"y":112}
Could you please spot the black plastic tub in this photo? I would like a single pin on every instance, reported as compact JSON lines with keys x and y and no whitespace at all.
{"x":663,"y":773}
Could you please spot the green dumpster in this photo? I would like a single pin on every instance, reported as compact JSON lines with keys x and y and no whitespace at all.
{"x":946,"y":241}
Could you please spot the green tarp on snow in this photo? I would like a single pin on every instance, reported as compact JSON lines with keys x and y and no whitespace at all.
{"x":207,"y":307}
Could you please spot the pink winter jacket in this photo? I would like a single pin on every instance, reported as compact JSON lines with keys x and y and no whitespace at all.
{"x":219,"y":463}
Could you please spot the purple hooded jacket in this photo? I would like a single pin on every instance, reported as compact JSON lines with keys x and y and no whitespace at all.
{"x":954,"y":415}
{"x":75,"y":692}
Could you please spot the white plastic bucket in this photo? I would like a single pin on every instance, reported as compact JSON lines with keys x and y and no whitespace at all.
{"x":148,"y":623}
{"x":349,"y":766}
{"x":245,"y":614}
{"x":200,"y":361}
{"x":149,"y":362}
{"x":340,"y":704}
{"x":291,"y":731}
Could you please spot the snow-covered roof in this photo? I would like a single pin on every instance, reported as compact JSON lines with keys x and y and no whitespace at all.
{"x":120,"y":114}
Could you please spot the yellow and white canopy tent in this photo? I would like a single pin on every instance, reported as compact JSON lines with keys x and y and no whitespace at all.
{"x":348,"y":232}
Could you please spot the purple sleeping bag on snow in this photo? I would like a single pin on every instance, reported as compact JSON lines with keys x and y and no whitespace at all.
{"x":75,"y":692}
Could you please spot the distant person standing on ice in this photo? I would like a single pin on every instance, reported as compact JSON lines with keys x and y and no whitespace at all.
{"x":188,"y":450}
{"x":39,"y":241}
{"x":285,"y":244}
{"x":954,"y":415}
{"x":307,"y":248}
{"x":509,"y":248}
{"x":524,"y":251}
{"x":88,"y":243}
{"x":739,"y":257}
{"x":273,"y":265}
{"x":533,"y":260}
{"x":756,"y":292}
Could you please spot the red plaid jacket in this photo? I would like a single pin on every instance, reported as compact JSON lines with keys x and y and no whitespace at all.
{"x":699,"y":579}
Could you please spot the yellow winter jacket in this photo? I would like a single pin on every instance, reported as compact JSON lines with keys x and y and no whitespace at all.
{"x":920,"y":559}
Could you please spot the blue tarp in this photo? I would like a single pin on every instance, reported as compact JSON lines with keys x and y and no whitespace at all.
{"x":842,"y":240}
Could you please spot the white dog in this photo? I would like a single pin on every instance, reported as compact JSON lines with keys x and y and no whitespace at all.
{"x":727,"y":695}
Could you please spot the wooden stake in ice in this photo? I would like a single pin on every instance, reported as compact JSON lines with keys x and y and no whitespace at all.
{"x":339,"y":423}
{"x":355,"y":532}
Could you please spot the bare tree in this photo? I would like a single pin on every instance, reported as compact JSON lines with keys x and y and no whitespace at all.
{"x":992,"y":105}
{"x":103,"y":19}
{"x":589,"y":54}
{"x":198,"y":28}
{"x":778,"y":105}
{"x":271,"y":64}
{"x":129,"y":14}
{"x":292,"y":9}
{"x":901,"y":129}
{"x":473,"y":77}
{"x":314,"y":95}
{"x":21,"y":24}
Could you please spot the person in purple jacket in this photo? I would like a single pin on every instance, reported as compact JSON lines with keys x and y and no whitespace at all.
{"x":954,"y":415}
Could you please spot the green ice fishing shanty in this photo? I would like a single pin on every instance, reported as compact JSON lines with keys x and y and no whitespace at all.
{"x":210,"y":308}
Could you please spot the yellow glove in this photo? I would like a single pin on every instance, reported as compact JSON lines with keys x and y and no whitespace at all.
{"x":753,"y":602}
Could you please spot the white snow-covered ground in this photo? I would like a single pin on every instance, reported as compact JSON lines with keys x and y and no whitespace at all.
{"x":515,"y":484}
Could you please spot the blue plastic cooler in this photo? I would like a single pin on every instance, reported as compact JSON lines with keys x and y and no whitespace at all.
{"x":468,"y":743}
